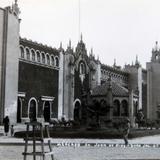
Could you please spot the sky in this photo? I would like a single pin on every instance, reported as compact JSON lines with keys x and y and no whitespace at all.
{"x":115,"y":29}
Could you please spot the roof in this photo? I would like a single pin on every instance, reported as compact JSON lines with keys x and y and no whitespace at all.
{"x":38,"y":46}
{"x":117,"y":90}
{"x":115,"y":70}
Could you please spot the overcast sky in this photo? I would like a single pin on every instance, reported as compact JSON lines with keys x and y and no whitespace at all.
{"x":115,"y":29}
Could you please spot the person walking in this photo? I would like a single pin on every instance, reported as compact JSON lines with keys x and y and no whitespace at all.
{"x":6,"y":125}
{"x":126,"y":131}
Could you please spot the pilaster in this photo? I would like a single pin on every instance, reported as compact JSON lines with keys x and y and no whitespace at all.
{"x":131,"y":109}
{"x":61,"y":86}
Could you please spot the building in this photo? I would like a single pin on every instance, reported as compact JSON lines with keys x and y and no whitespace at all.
{"x":38,"y":65}
{"x":153,"y":89}
{"x":38,"y":81}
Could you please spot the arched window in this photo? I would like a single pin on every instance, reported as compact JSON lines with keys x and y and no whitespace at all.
{"x":47,"y":111}
{"x":32,"y":109}
{"x":22,"y":52}
{"x":116,"y":108}
{"x":33,"y":55}
{"x":82,"y":68}
{"x":28,"y":54}
{"x":48,"y":59}
{"x":135,"y":103}
{"x":57,"y":61}
{"x":43,"y":58}
{"x":124,"y":108}
{"x":156,"y":57}
{"x":38,"y":57}
{"x":52,"y":60}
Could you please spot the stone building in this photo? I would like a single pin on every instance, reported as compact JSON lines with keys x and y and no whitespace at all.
{"x":153,"y":89}
{"x":38,"y":81}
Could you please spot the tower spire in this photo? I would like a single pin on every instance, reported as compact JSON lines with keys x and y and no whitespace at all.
{"x":136,"y":59}
{"x":114,"y":65}
{"x":137,"y":62}
{"x":15,"y":8}
{"x":81,"y":38}
{"x":98,"y":57}
{"x":156,"y":47}
{"x":70,"y":43}
{"x":60,"y":45}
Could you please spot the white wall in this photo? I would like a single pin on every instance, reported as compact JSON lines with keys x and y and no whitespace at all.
{"x":1,"y":45}
{"x":11,"y":77}
{"x":60,"y":88}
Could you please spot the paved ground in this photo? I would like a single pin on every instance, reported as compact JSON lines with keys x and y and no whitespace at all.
{"x":86,"y":149}
{"x":85,"y":153}
{"x":77,"y":149}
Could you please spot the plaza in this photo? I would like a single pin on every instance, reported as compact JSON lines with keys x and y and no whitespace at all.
{"x":71,"y":88}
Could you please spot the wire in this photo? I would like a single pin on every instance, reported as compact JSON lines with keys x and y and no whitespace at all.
{"x":79,"y":27}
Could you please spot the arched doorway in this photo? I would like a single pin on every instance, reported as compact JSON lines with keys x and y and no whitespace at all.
{"x":32,"y":110}
{"x":124,"y":105}
{"x":135,"y":103}
{"x":77,"y":111}
{"x":19,"y":110}
{"x":116,"y":108}
{"x":103,"y":107}
{"x":47,"y":111}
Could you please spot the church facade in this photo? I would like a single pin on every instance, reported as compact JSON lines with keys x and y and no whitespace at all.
{"x":38,"y":81}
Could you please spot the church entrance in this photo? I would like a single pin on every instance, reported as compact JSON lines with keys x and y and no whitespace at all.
{"x":19,"y":110}
{"x":47,"y":111}
{"x":32,"y":110}
{"x":77,"y":111}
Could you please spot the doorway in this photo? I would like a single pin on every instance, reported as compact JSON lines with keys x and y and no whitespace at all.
{"x":19,"y":110}
{"x":77,"y":111}
{"x":32,"y":110}
{"x":47,"y":111}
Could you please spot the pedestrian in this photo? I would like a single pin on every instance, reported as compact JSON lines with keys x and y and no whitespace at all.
{"x":6,"y":125}
{"x":126,"y":130}
{"x":12,"y":130}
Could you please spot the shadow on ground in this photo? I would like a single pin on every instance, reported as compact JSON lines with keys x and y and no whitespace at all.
{"x":92,"y":133}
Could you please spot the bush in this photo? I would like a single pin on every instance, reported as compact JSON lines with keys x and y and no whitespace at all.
{"x":149,"y":124}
